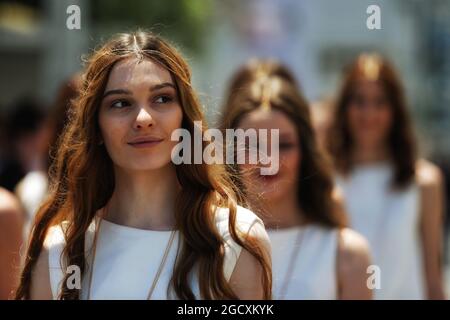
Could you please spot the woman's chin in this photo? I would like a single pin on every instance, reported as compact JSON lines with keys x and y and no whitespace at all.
{"x":149,"y":165}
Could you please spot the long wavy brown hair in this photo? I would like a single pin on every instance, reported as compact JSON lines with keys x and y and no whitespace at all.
{"x":82,"y":181}
{"x":247,"y":93}
{"x":401,"y":141}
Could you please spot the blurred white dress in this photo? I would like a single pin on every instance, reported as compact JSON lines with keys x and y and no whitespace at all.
{"x":127,"y":258}
{"x":390,"y":221}
{"x":31,"y":191}
{"x":304,"y":262}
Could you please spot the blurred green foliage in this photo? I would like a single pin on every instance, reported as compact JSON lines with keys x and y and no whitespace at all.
{"x":183,"y":21}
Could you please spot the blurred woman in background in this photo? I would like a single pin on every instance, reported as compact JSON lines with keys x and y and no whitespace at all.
{"x":393,"y":198}
{"x":32,"y":189}
{"x":314,"y":255}
{"x":26,"y":142}
{"x":118,"y":206}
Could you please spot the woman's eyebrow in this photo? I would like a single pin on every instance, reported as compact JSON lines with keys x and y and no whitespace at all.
{"x":162,"y":85}
{"x":115,"y":91}
{"x":128,"y":92}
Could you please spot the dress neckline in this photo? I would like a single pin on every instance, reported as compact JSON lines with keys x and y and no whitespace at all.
{"x":288,"y":230}
{"x":127,"y":230}
{"x":376,"y":165}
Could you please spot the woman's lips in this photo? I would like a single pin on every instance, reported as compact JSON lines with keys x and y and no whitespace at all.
{"x":144,"y":144}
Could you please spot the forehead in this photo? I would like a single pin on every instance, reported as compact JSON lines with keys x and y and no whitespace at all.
{"x":132,"y":72}
{"x":268,"y":119}
{"x":368,"y":87}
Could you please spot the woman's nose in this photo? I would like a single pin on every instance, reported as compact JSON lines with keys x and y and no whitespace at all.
{"x":143,"y":119}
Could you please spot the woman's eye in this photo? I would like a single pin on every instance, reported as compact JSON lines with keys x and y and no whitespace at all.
{"x":163,"y":99}
{"x":286,"y":146}
{"x":119,"y":104}
{"x":382,"y":102}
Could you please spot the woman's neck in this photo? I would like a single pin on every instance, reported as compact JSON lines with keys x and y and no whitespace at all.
{"x":283,"y":213}
{"x":369,"y":154}
{"x":144,"y":200}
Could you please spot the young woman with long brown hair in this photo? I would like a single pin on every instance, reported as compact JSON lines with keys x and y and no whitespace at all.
{"x":134,"y":224}
{"x":393,"y":198}
{"x":314,"y":255}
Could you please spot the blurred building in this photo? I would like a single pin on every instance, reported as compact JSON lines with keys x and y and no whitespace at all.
{"x":317,"y":38}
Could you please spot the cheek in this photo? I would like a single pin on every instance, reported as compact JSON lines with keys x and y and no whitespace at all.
{"x":290,"y":160}
{"x":385,"y":119}
{"x":353,"y":116}
{"x":112,"y":130}
{"x":172,"y":120}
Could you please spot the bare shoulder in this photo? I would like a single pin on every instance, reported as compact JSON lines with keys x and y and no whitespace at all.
{"x":11,"y":239}
{"x":9,"y":204}
{"x":247,"y":276}
{"x":248,"y":272}
{"x":11,"y":223}
{"x":353,"y":250}
{"x":11,"y":215}
{"x":428,"y":175}
{"x":337,"y":195}
{"x":338,"y":201}
{"x":353,"y":261}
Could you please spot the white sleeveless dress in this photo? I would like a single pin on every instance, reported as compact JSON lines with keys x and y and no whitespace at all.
{"x":313,"y":266}
{"x":390,"y":221}
{"x":127,"y":258}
